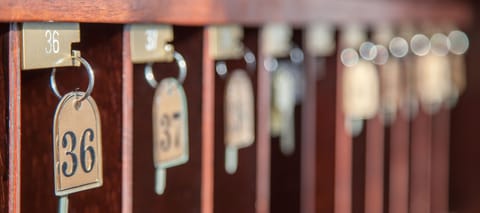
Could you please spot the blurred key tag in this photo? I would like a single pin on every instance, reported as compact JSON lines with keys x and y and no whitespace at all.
{"x":433,"y":81}
{"x":239,"y":117}
{"x":360,"y":94}
{"x":284,"y":99}
{"x":77,"y":145}
{"x":170,"y":129}
{"x":361,"y":91}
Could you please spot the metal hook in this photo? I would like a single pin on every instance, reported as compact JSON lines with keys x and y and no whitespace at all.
{"x":91,"y":76}
{"x":182,"y":66}
{"x":296,"y":56}
{"x":249,"y":58}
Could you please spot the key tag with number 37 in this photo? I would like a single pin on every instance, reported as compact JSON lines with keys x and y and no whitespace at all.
{"x":77,"y":140}
{"x":170,"y":122}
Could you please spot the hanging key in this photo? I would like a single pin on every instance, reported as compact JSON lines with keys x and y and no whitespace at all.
{"x":77,"y":141}
{"x":149,"y":44}
{"x":284,"y":101}
{"x":225,"y":43}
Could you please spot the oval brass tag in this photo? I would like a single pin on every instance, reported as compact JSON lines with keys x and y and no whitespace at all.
{"x":77,"y":145}
{"x":170,"y":124}
{"x":239,"y":111}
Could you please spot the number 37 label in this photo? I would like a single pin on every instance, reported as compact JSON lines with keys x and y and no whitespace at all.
{"x":77,"y":145}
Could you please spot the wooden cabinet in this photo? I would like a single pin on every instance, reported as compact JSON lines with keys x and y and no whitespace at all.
{"x":424,"y":164}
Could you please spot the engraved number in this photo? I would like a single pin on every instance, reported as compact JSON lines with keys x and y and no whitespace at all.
{"x":87,"y":166}
{"x":152,"y":38}
{"x":52,"y":40}
{"x":165,"y":124}
{"x":72,"y":155}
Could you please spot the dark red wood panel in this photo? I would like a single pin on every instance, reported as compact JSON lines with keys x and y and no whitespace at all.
{"x":464,"y":187}
{"x":101,"y":45}
{"x":202,"y":12}
{"x":235,"y":192}
{"x":325,"y":133}
{"x":4,"y":148}
{"x":420,"y":164}
{"x":183,"y":186}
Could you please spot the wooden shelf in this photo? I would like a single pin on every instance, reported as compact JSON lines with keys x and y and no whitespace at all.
{"x":248,"y":12}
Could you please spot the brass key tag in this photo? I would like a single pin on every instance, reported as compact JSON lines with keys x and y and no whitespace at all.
{"x":284,"y":99}
{"x":360,"y":93}
{"x":239,"y":117}
{"x":77,"y":147}
{"x":170,"y":129}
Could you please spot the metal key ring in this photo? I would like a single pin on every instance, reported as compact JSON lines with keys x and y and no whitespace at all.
{"x":295,"y":54}
{"x":182,"y":66}
{"x":91,"y":77}
{"x":248,"y":57}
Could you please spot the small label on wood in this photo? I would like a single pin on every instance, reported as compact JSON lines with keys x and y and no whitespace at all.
{"x":360,"y":91}
{"x":77,"y":145}
{"x":320,"y":39}
{"x":226,"y":41}
{"x":170,"y":124}
{"x":276,"y":40}
{"x":44,"y":44}
{"x":149,"y":43}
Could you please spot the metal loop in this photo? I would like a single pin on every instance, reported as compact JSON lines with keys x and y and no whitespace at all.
{"x":91,"y":77}
{"x":182,"y":66}
{"x":295,"y":54}
{"x":248,"y":57}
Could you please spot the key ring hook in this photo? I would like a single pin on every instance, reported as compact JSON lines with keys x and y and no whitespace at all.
{"x":249,"y":58}
{"x":91,"y":77}
{"x":295,"y":54}
{"x":182,"y":66}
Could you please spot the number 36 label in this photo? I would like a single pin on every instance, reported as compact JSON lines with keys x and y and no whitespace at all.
{"x":77,"y":145}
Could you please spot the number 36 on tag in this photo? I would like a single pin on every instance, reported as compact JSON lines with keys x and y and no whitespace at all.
{"x":77,"y":145}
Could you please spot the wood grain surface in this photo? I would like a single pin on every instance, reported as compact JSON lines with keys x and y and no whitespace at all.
{"x":201,"y":12}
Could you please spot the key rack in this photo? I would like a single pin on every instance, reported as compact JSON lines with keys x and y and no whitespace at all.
{"x":415,"y":164}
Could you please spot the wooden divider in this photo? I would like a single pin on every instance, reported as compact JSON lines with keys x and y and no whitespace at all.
{"x":440,"y":161}
{"x":4,"y":145}
{"x":235,"y":192}
{"x":183,"y":185}
{"x":101,"y":45}
{"x":343,"y":150}
{"x":263,"y":134}
{"x":420,"y":164}
{"x":14,"y":124}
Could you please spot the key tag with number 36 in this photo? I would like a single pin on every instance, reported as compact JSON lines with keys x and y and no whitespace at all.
{"x":170,"y":122}
{"x":77,"y":140}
